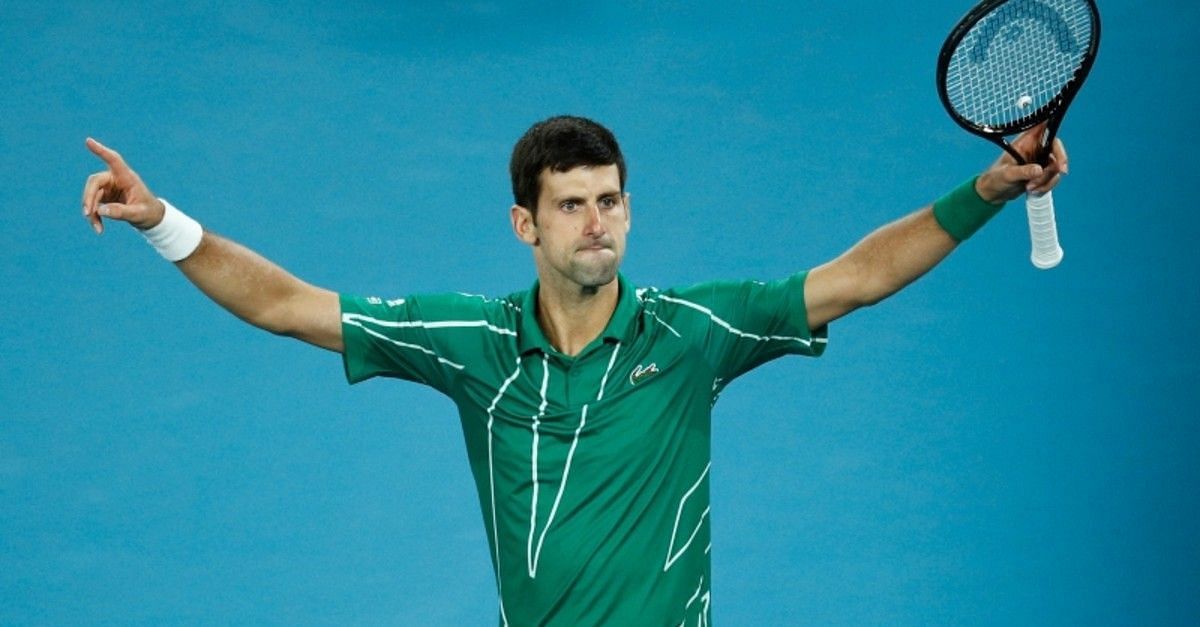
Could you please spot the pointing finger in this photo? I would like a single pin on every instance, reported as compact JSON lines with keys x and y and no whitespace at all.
{"x":111,"y":157}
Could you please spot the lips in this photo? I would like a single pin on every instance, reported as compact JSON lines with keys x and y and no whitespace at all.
{"x":596,"y":247}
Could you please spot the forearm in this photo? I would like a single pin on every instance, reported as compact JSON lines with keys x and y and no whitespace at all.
{"x":245,"y":283}
{"x":900,"y":252}
{"x":897,"y":254}
{"x":239,"y":280}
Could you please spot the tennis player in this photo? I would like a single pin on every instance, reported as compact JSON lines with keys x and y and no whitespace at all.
{"x":585,"y":401}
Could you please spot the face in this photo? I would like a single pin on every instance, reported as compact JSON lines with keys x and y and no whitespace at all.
{"x":578,"y":235}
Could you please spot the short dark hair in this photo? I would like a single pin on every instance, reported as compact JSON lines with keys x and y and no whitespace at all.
{"x":560,"y":143}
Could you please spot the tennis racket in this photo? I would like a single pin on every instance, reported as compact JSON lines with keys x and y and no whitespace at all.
{"x":1012,"y":64}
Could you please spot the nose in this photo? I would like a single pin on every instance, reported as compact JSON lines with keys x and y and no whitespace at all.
{"x":593,"y":226}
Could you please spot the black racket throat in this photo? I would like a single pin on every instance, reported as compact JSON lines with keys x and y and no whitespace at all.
{"x":1045,"y":144}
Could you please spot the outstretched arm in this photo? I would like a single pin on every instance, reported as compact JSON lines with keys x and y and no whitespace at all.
{"x":249,"y":286}
{"x":899,"y":253}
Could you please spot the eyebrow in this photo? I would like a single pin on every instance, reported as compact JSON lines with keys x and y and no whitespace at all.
{"x":579,"y":198}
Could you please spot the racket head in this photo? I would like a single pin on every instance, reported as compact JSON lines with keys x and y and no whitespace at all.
{"x":1009,"y":65}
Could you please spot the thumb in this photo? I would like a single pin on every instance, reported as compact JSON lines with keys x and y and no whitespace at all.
{"x":1026,"y":172}
{"x":114,"y":210}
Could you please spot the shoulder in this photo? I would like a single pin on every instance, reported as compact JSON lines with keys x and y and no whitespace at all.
{"x":491,"y":307}
{"x":722,"y":294}
{"x":446,"y":309}
{"x":729,"y":303}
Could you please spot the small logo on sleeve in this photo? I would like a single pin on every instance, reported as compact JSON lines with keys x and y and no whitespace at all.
{"x":641,"y":373}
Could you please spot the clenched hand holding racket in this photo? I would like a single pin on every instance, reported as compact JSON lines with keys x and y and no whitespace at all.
{"x":1010,"y":65}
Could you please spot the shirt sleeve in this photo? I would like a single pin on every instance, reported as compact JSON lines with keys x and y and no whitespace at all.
{"x":403,"y":337}
{"x":740,"y":325}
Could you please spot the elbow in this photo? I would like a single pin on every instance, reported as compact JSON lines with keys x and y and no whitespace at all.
{"x":269,"y":321}
{"x":865,"y":284}
{"x":309,"y":314}
{"x":867,"y":301}
{"x":277,"y":317}
{"x":871,"y":287}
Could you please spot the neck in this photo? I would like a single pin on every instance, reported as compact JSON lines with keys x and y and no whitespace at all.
{"x":571,"y":316}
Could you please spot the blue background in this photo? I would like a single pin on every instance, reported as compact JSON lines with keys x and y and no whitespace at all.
{"x":994,"y":445}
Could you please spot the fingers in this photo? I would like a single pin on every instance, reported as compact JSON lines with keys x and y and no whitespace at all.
{"x":97,"y":225}
{"x":109,"y":156}
{"x":94,"y":190}
{"x":1059,"y":154}
{"x":1035,"y":178}
{"x":1029,"y":142}
{"x":1023,"y":173}
{"x":1056,"y":168}
{"x":116,"y":193}
{"x":1049,"y":178}
{"x":115,"y":210}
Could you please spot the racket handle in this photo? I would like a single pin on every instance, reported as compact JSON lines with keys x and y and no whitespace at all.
{"x":1042,"y":231}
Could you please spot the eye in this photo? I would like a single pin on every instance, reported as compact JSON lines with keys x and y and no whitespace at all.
{"x":569,"y":205}
{"x":608,"y":202}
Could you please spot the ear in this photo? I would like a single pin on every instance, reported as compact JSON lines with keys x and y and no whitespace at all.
{"x":523,"y":224}
{"x":628,"y":211}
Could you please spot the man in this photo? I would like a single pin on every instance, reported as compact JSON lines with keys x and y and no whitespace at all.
{"x":585,"y":402}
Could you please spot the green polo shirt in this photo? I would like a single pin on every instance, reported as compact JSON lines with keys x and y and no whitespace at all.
{"x":592,"y":471}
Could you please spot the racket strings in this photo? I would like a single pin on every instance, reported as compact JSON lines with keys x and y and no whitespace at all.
{"x":1018,"y":59}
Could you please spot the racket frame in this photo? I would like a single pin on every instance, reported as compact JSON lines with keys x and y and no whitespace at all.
{"x":1053,"y":111}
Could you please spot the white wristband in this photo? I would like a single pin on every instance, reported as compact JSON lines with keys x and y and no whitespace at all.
{"x":177,"y":236}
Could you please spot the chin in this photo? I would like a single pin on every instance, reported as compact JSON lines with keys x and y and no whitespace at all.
{"x":596,"y":277}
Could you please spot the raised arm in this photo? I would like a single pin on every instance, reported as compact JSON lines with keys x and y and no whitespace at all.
{"x":249,"y":286}
{"x":900,"y":252}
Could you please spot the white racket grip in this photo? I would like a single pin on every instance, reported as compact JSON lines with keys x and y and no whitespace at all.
{"x":1042,"y":231}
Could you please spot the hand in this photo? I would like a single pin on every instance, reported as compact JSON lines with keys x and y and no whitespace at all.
{"x":1005,"y":180}
{"x":118,"y":193}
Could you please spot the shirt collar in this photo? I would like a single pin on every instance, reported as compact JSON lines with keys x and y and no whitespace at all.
{"x":622,"y":327}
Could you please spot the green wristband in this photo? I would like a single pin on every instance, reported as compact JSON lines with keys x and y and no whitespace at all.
{"x":963,"y":211}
